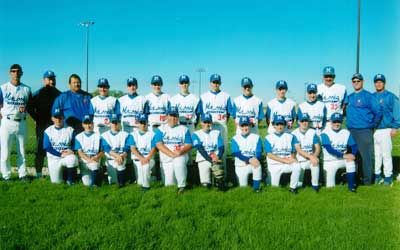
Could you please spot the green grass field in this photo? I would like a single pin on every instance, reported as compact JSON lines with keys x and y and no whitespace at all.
{"x":41,"y":215}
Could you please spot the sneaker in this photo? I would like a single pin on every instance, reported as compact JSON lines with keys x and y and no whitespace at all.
{"x":257,"y":190}
{"x":293,"y":190}
{"x":353,"y":190}
{"x":181,"y":190}
{"x":315,"y":188}
{"x":388,"y":181}
{"x":70,"y":183}
{"x":378,"y":179}
{"x":39,"y":175}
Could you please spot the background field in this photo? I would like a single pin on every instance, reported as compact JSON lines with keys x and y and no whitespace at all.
{"x":40,"y":215}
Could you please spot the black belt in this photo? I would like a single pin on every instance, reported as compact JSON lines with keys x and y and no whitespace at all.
{"x":16,"y":120}
{"x":156,"y":125}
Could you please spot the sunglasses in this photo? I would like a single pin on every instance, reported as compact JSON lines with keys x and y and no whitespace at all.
{"x":216,"y":82}
{"x":356,"y":81}
{"x":131,"y":84}
{"x":114,"y":122}
{"x":328,"y":76}
{"x":15,"y":70}
{"x":184,"y":83}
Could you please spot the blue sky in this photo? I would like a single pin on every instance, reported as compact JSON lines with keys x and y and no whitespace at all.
{"x":264,"y":40}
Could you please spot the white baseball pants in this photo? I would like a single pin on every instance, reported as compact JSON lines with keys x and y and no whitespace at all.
{"x":223,"y":129}
{"x":85,"y":169}
{"x":383,"y":152}
{"x":243,"y":171}
{"x":331,"y":167}
{"x":304,"y":165}
{"x":56,"y":164}
{"x":276,"y":170}
{"x":143,"y":172}
{"x":174,"y":171}
{"x":112,"y":168}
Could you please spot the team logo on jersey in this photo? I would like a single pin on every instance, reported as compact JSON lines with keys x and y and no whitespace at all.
{"x":358,"y":103}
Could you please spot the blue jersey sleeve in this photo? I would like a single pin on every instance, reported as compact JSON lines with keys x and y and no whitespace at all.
{"x":267,"y":146}
{"x":48,"y":147}
{"x":324,"y":119}
{"x":105,"y":146}
{"x":188,"y":138}
{"x":293,"y":114}
{"x":221,"y":150}
{"x":229,"y":106}
{"x":299,"y":113}
{"x":200,"y":107}
{"x":294,"y":140}
{"x":158,"y":137}
{"x":127,"y":145}
{"x":315,"y":139}
{"x":259,"y":149}
{"x":268,"y":114}
{"x":77,"y":145}
{"x":130,"y":141}
{"x":396,"y":113}
{"x":196,"y":140}
{"x":234,"y":108}
{"x":345,"y":100}
{"x":220,"y":141}
{"x":91,"y":109}
{"x":261,"y":111}
{"x":1,"y":97}
{"x":234,"y":146}
{"x":326,"y":143}
{"x":117,"y":108}
{"x":376,"y":110}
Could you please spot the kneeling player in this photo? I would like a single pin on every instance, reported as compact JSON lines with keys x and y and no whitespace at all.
{"x":143,"y":151}
{"x":281,"y":158}
{"x":335,"y":142}
{"x":115,"y":144}
{"x":87,"y":144}
{"x":308,"y":149}
{"x":210,"y":149}
{"x":247,"y":149}
{"x":57,"y":142}
{"x":174,"y":142}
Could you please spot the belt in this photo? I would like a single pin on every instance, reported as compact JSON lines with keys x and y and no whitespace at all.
{"x":156,"y":125}
{"x":16,"y":120}
{"x":186,"y":123}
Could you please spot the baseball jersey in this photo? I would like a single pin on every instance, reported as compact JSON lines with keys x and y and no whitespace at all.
{"x":285,"y":108}
{"x":14,"y":100}
{"x":73,"y":104}
{"x":218,"y":104}
{"x":250,"y":106}
{"x":174,"y":138}
{"x":55,"y":140}
{"x":211,"y":142}
{"x":281,"y":145}
{"x":316,"y":111}
{"x":390,"y":109}
{"x":142,"y":142}
{"x":101,"y":108}
{"x":363,"y":111}
{"x":248,"y":145}
{"x":333,"y":97}
{"x":130,"y":107}
{"x":187,"y":106}
{"x":306,"y":140}
{"x":339,"y":140}
{"x":158,"y":106}
{"x":117,"y":142}
{"x":89,"y":143}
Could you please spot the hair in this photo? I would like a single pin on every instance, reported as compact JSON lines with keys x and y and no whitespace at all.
{"x":74,"y":76}
{"x":16,"y":66}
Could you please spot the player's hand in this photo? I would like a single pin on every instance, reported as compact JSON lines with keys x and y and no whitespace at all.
{"x":290,"y":160}
{"x":144,"y":161}
{"x":214,"y":157}
{"x":349,"y":157}
{"x":64,"y":153}
{"x":393,"y":132}
{"x":254,"y":162}
{"x":314,"y":160}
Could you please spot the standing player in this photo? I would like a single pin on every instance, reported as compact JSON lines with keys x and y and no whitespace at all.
{"x":143,"y":152}
{"x":281,"y":154}
{"x":308,"y":150}
{"x":218,"y":104}
{"x":174,"y":142}
{"x":102,"y":106}
{"x":281,"y":106}
{"x":40,"y":110}
{"x":247,"y":149}
{"x":131,"y":106}
{"x":87,"y":144}
{"x":210,"y":148}
{"x":14,"y":97}
{"x":336,"y":143}
{"x":115,"y":144}
{"x":57,"y":142}
{"x":247,"y":105}
{"x":332,"y":94}
{"x":314,"y":108}
{"x":158,"y":103}
{"x":387,"y":128}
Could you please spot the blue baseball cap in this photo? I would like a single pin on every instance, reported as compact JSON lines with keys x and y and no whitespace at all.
{"x":244,"y":120}
{"x":379,"y":77}
{"x":206,"y":117}
{"x":328,"y":71}
{"x":281,"y":84}
{"x":49,"y":74}
{"x":246,"y":81}
{"x":156,"y":80}
{"x":114,"y":118}
{"x":57,"y":113}
{"x":358,"y":76}
{"x":142,"y":118}
{"x":87,"y":119}
{"x":184,"y":78}
{"x":173,"y":111}
{"x":131,"y":81}
{"x":215,"y":78}
{"x":279,"y":119}
{"x":103,"y":82}
{"x":312,"y":87}
{"x":303,"y":117}
{"x":336,"y":117}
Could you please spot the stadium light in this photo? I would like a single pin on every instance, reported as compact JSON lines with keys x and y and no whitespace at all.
{"x":87,"y":24}
{"x":200,"y":70}
{"x":358,"y":37}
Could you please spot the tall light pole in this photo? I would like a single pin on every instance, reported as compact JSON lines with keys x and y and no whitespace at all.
{"x":200,"y":70}
{"x":87,"y":25}
{"x":358,"y":36}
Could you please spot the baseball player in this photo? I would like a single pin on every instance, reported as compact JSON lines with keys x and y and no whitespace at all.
{"x":281,"y":106}
{"x":308,"y":149}
{"x":281,"y":154}
{"x":247,"y":149}
{"x":142,"y":152}
{"x":116,"y":144}
{"x":247,"y":105}
{"x":218,"y":104}
{"x":14,"y":96}
{"x":336,"y":142}
{"x":387,"y":128}
{"x":57,"y":142}
{"x":102,"y":106}
{"x":314,"y":108}
{"x":40,"y":110}
{"x":88,"y":146}
{"x":131,"y":106}
{"x":332,"y":94}
{"x":174,"y":142}
{"x":158,"y":103}
{"x":210,"y":148}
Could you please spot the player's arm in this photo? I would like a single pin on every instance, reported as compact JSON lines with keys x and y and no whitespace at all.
{"x":237,"y":153}
{"x":228,"y":109}
{"x":255,"y":161}
{"x":353,"y":149}
{"x":345,"y":101}
{"x":197,"y":144}
{"x":187,"y":146}
{"x":159,"y":144}
{"x":326,"y":143}
{"x":395,"y":124}
{"x":376,"y":110}
{"x":272,"y":156}
{"x":267,"y":115}
{"x":48,"y":147}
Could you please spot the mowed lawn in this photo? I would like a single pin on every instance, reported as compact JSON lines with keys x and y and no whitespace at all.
{"x":40,"y":215}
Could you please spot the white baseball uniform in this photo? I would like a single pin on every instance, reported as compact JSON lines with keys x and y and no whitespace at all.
{"x":281,"y":145}
{"x":54,"y":142}
{"x":245,"y":147}
{"x":173,"y":169}
{"x":316,"y":111}
{"x":333,"y":97}
{"x":187,"y":107}
{"x":307,"y":141}
{"x":158,"y":106}
{"x":101,"y":108}
{"x":285,"y":108}
{"x":13,"y":101}
{"x":250,"y":106}
{"x":90,"y":145}
{"x":130,"y":106}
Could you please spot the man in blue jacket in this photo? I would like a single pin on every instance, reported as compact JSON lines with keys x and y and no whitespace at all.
{"x":363,"y":116}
